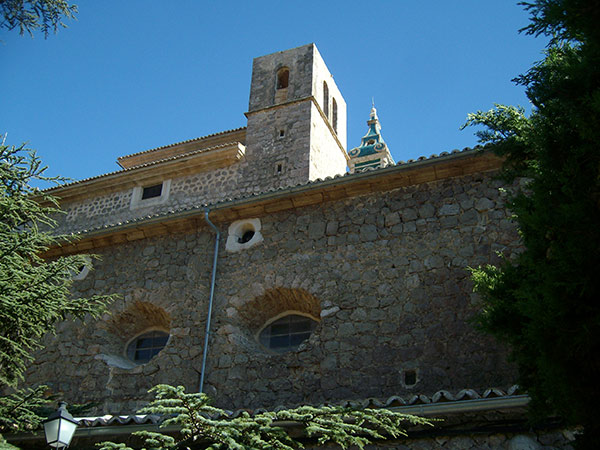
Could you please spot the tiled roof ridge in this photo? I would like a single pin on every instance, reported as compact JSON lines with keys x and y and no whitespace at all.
{"x":220,"y":133}
{"x":391,"y":402}
{"x":274,"y":190}
{"x":182,"y":155}
{"x":139,"y":166}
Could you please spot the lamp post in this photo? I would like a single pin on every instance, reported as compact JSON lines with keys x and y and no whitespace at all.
{"x":60,"y":427}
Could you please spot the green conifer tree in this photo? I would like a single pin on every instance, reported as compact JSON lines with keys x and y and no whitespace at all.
{"x":545,"y":303}
{"x":200,"y":425}
{"x":34,"y":292}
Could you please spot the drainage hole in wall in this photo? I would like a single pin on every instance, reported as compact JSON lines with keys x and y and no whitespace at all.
{"x":246,"y":237}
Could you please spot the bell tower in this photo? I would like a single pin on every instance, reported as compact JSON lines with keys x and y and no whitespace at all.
{"x":296,"y":120}
{"x":372,"y":152}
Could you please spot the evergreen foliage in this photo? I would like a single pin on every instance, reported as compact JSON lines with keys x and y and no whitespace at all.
{"x":201,"y":425}
{"x":34,"y":292}
{"x":20,"y":411}
{"x":545,"y":302}
{"x":32,"y":15}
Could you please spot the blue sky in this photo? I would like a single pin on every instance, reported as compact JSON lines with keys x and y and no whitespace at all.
{"x":134,"y":75}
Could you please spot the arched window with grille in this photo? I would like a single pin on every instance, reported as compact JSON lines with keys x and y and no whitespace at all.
{"x":146,"y":346}
{"x":286,"y":333}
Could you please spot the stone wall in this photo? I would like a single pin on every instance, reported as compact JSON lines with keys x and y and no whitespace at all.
{"x":192,"y":190}
{"x":266,"y":148}
{"x":87,"y":360}
{"x":385,"y":274}
{"x":390,"y":274}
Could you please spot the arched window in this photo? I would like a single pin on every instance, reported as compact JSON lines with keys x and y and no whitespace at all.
{"x":287,"y":332}
{"x":147,"y":345}
{"x":281,"y":88}
{"x":325,"y":99}
{"x":283,"y":78}
{"x":334,"y":114}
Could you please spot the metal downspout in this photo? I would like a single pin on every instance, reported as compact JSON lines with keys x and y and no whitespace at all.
{"x":210,"y":301}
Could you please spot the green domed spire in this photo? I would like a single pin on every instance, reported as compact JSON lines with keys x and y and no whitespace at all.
{"x":373,"y":152}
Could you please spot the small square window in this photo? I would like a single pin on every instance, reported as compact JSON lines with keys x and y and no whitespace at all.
{"x":150,"y":195}
{"x":152,"y":191}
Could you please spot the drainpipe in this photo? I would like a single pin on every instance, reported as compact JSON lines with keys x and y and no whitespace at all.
{"x":210,"y":301}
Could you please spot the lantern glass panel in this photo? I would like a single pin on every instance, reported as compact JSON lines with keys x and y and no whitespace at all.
{"x":59,"y":432}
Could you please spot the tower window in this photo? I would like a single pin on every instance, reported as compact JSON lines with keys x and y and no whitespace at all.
{"x":147,"y":345}
{"x":281,"y":88}
{"x":278,"y":167}
{"x":287,"y":333}
{"x":152,"y":191}
{"x":281,"y":133}
{"x":283,"y":78}
{"x":325,"y":99}
{"x":334,"y":114}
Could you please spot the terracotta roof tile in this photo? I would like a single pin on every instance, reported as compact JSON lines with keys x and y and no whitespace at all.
{"x":442,"y":396}
{"x":139,"y":166}
{"x":220,"y":133}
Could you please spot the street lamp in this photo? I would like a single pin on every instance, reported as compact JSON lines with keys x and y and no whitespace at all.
{"x":60,"y":427}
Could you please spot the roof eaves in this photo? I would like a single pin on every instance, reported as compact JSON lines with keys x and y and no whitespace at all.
{"x":442,"y":403}
{"x":466,"y":400}
{"x":140,"y":166}
{"x":162,"y":147}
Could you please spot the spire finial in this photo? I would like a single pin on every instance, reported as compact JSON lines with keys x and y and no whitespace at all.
{"x":373,"y":110}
